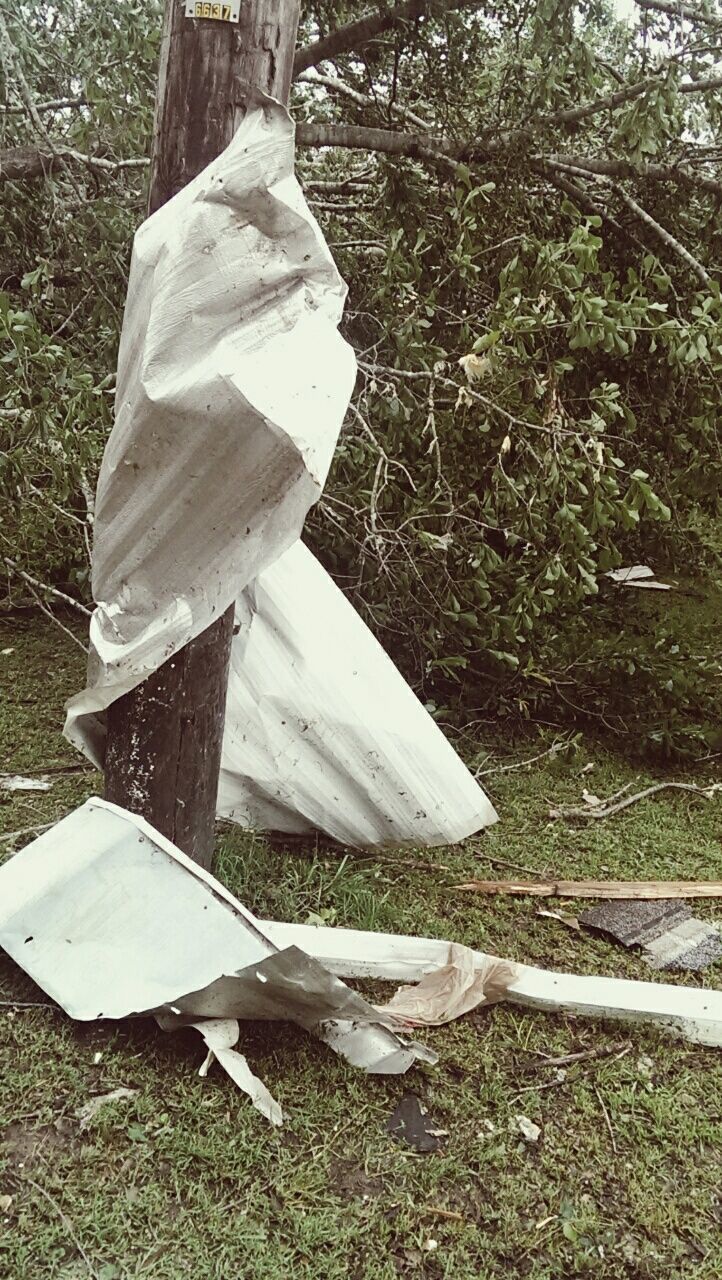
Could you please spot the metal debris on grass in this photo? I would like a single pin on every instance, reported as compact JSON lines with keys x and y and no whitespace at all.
{"x":112,"y":921}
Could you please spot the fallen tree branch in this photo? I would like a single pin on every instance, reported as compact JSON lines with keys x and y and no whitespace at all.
{"x":356,"y":34}
{"x":612,"y":168}
{"x":55,"y":104}
{"x":572,"y":115}
{"x":362,"y":99}
{"x":638,"y":890}
{"x":24,"y":164}
{"x":43,"y":586}
{"x":387,"y":141}
{"x":605,"y":809}
{"x":678,"y":9}
{"x":663,"y":234}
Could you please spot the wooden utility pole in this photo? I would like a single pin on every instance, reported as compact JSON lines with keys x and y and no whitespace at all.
{"x":163,"y":752}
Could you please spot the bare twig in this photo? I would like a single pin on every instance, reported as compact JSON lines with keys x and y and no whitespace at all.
{"x":64,"y":1219}
{"x":636,"y":890}
{"x":43,"y":586}
{"x":662,"y":234}
{"x":584,"y":1055}
{"x":29,"y":1004}
{"x":54,"y":104}
{"x":44,"y":608}
{"x":521,"y":764}
{"x":605,"y":809}
{"x":26,"y":831}
{"x":607,"y":1120}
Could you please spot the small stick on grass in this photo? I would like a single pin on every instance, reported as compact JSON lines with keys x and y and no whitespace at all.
{"x":65,"y":1221}
{"x":606,"y":810}
{"x":26,"y":831}
{"x":605,"y":1113}
{"x":584,"y":1055}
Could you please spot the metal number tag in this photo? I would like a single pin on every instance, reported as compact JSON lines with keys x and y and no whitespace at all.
{"x":219,"y":12}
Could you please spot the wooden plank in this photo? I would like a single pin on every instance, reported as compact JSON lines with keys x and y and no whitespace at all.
{"x":164,"y":738}
{"x":598,"y":888}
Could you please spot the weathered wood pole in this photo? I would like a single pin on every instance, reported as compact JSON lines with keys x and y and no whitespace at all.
{"x":164,"y":738}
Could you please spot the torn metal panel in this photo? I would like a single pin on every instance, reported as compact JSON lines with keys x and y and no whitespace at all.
{"x":233,"y":382}
{"x":111,"y":920}
{"x":669,"y":935}
{"x":691,"y":1013}
{"x":323,"y":732}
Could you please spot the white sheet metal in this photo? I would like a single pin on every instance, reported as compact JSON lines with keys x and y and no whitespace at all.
{"x":232,"y":386}
{"x":111,"y":920}
{"x":321,"y":730}
{"x":691,"y":1013}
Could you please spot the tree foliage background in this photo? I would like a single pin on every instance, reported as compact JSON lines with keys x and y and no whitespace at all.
{"x":525,"y":201}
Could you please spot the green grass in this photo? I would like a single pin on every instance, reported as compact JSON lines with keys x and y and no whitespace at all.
{"x":185,"y":1179}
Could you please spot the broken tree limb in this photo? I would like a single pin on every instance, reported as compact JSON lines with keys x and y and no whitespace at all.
{"x":356,"y":34}
{"x":681,"y":11}
{"x":605,"y":809}
{"x":583,"y":1055}
{"x":641,"y":889}
{"x":43,"y":586}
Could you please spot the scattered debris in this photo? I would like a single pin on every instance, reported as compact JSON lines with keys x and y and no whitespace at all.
{"x":529,"y":1131}
{"x":5,"y":1203}
{"x":89,"y":1111}
{"x":606,"y":808}
{"x":645,"y":1068}
{"x":563,"y":917}
{"x":170,"y":941}
{"x":639,"y":575}
{"x":669,"y":935}
{"x":409,"y":1122}
{"x":6,"y":652}
{"x":693,"y":1013}
{"x":152,"y":933}
{"x":16,"y":782}
{"x":638,"y":889}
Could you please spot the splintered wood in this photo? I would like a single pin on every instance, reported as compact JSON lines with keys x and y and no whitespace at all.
{"x":598,"y":888}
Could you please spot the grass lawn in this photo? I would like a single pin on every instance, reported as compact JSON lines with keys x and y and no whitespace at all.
{"x":186,"y":1179}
